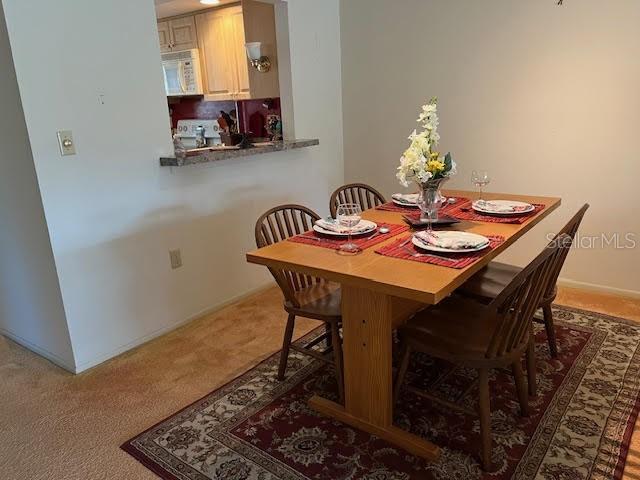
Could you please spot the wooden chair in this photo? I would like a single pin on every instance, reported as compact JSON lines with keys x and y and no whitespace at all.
{"x":304,"y":296}
{"x":364,"y":195}
{"x":490,"y":281}
{"x":470,"y":334}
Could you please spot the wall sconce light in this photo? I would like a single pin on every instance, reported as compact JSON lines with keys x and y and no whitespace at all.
{"x":259,"y":61}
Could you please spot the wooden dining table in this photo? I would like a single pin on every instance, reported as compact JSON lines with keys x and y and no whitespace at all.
{"x":379,"y":293}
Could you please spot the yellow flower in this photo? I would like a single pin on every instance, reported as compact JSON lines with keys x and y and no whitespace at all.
{"x":435,"y":166}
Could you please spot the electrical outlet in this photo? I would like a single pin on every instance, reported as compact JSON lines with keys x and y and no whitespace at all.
{"x":176,"y":258}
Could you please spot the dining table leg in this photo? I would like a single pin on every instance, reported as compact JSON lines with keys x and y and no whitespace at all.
{"x":368,"y":320}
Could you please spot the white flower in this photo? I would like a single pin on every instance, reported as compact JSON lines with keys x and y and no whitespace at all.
{"x":424,"y":176}
{"x":430,"y":124}
{"x":410,"y":155}
{"x":414,"y":161}
{"x":428,"y":111}
{"x":421,"y":143}
{"x":430,"y":107}
{"x":402,"y":176}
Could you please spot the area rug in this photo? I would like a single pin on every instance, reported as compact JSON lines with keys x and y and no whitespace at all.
{"x":257,"y":428}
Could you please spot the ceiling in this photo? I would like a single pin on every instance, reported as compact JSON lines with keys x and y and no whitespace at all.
{"x":169,"y":8}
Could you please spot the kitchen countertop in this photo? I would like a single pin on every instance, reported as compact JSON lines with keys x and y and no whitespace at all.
{"x":226,"y":153}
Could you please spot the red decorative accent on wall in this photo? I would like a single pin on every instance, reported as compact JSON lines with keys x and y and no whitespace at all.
{"x":196,"y":108}
{"x":249,"y":111}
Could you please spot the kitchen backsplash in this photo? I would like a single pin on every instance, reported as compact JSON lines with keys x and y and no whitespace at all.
{"x":196,"y":108}
{"x":252,"y":114}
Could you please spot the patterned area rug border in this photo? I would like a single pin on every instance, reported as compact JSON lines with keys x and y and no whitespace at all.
{"x":582,"y":311}
{"x":625,"y":445}
{"x":603,"y":467}
{"x":164,"y":472}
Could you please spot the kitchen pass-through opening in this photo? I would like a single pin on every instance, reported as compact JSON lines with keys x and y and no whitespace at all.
{"x":227,"y":72}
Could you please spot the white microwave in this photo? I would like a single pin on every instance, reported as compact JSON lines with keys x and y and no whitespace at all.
{"x":182,"y":74}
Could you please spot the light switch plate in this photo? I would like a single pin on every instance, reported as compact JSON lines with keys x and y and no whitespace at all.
{"x":65,"y":142}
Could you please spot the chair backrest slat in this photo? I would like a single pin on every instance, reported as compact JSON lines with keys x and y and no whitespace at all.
{"x":529,"y":306}
{"x":518,"y":302}
{"x":570,"y":229}
{"x":281,"y":223}
{"x":364,"y":199}
{"x":288,"y":222}
{"x":510,"y":327}
{"x":364,"y":195}
{"x":517,"y":305}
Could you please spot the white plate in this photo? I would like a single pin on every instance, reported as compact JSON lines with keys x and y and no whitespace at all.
{"x":472,"y":236}
{"x":370,"y":228}
{"x":404,"y":203}
{"x":525,"y":207}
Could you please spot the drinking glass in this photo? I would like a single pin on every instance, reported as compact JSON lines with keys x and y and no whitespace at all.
{"x":349,"y":215}
{"x":480,"y":179}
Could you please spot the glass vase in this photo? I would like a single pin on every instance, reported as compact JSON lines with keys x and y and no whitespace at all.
{"x":431,"y":200}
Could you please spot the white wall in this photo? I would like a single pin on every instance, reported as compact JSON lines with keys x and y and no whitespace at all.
{"x":112,"y":212}
{"x":31,"y":310}
{"x":545,"y":97}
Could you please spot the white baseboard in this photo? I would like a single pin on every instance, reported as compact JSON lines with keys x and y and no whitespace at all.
{"x":591,"y":287}
{"x":52,"y":357}
{"x":83,"y":367}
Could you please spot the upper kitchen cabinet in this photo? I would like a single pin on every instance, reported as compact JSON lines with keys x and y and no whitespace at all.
{"x":164,"y":35}
{"x":222,"y":34}
{"x":178,"y":34}
{"x":216,"y":43}
{"x":260,"y":26}
{"x":242,"y":82}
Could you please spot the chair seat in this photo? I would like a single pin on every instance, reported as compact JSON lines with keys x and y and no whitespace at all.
{"x":456,"y":328}
{"x":491,"y":280}
{"x":322,"y":301}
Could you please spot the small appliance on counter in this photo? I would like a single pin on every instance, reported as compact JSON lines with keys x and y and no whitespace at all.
{"x":198,"y":133}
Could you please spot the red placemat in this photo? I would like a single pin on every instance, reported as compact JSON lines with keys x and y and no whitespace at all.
{"x":405,"y":249}
{"x":464,"y":211}
{"x":363,"y":241}
{"x":392,"y":207}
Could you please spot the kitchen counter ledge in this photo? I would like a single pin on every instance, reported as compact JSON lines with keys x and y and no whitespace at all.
{"x":223,"y":154}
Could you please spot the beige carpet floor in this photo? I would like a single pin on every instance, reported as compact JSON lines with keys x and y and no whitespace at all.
{"x":54,"y":425}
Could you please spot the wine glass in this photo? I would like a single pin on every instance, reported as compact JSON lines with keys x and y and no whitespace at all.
{"x":349,"y":215}
{"x":480,"y":178}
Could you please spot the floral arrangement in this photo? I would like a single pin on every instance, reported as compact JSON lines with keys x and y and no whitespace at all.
{"x":422,"y":162}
